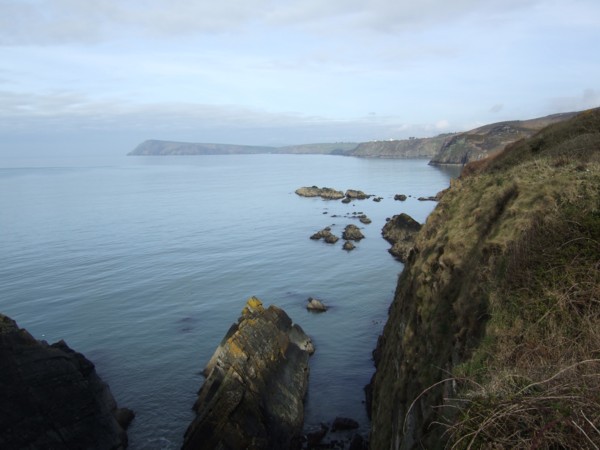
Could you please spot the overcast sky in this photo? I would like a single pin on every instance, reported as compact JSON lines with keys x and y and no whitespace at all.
{"x":104,"y":75}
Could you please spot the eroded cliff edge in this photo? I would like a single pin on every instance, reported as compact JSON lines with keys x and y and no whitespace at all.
{"x":493,"y":338}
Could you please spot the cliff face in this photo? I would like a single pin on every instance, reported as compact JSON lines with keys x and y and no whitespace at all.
{"x":490,"y":139}
{"x":405,"y":148}
{"x":51,"y":397}
{"x":492,"y":338}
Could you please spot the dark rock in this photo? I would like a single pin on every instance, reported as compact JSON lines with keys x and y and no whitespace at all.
{"x":364,"y":219}
{"x":314,"y":438}
{"x":352,"y":233}
{"x":324,"y":192}
{"x":255,"y":386}
{"x":315,"y":305}
{"x":377,"y":199}
{"x":356,"y":194}
{"x":431,"y":198}
{"x":343,"y":423}
{"x":400,"y":231}
{"x":347,"y":200}
{"x":326,"y":235}
{"x":357,"y":443}
{"x":349,"y":246}
{"x":51,"y":397}
{"x":400,"y":197}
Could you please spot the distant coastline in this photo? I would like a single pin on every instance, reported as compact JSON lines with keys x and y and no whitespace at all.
{"x":444,"y":149}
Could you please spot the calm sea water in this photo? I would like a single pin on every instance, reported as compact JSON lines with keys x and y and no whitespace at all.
{"x":143,"y":263}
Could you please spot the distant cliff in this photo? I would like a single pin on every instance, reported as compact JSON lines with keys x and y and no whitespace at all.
{"x":493,"y":336}
{"x":405,"y":148}
{"x":481,"y":142}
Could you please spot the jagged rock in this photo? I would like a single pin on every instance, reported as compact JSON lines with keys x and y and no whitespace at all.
{"x":51,"y":397}
{"x":356,"y":194}
{"x":315,"y":305}
{"x":349,"y":246}
{"x":324,"y":192}
{"x":343,"y":423}
{"x":400,"y":197}
{"x":255,"y":386}
{"x":326,"y":235}
{"x":352,"y":233}
{"x":400,"y":231}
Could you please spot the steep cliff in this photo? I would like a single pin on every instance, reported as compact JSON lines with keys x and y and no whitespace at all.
{"x":52,"y":398}
{"x":484,"y":141}
{"x":493,"y":337}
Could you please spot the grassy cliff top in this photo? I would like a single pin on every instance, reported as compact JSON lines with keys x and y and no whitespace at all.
{"x":493,"y":338}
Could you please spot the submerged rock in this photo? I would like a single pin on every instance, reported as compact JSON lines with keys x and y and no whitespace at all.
{"x":315,"y":305}
{"x":352,"y":233}
{"x":51,"y":397}
{"x":255,"y":386}
{"x":400,"y":197}
{"x":400,"y":231}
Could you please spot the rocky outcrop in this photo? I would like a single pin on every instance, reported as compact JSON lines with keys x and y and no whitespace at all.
{"x":400,"y":197}
{"x":352,"y":233}
{"x":324,"y":192}
{"x":356,"y":194}
{"x":326,"y":235}
{"x":348,"y":246}
{"x":51,"y":397}
{"x":255,"y":385}
{"x":400,"y":231}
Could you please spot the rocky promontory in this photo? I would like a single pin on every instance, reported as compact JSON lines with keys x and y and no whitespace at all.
{"x":52,"y":398}
{"x":255,"y":385}
{"x":400,"y":231}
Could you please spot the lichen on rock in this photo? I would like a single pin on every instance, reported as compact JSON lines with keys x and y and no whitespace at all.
{"x":255,"y":386}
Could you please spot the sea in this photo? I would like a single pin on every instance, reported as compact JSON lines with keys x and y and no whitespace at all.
{"x":142,"y":263}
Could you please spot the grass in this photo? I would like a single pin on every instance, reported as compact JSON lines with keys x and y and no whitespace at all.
{"x":534,"y":380}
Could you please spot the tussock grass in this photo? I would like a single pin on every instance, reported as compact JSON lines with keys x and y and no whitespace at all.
{"x":534,"y":380}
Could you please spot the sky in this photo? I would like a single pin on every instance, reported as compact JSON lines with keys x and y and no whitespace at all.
{"x":79,"y":77}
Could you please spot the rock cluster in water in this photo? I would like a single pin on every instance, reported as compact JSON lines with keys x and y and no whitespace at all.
{"x":52,"y":398}
{"x":255,"y":386}
{"x":400,"y":231}
{"x":324,"y":192}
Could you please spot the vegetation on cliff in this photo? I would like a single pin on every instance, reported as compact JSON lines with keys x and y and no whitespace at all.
{"x":493,"y":338}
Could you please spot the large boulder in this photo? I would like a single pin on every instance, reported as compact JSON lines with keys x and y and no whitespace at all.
{"x":352,"y":233}
{"x":400,"y":231}
{"x":355,"y":193}
{"x":326,"y":235}
{"x":51,"y":397}
{"x":255,"y":385}
{"x":324,"y":192}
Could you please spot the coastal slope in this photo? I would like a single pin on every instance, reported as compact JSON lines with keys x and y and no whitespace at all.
{"x":492,"y":339}
{"x":487,"y":140}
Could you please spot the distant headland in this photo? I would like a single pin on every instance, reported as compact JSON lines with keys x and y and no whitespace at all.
{"x":449,"y":148}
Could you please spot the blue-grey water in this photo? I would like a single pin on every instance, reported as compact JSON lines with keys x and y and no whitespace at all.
{"x":142,"y":264}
